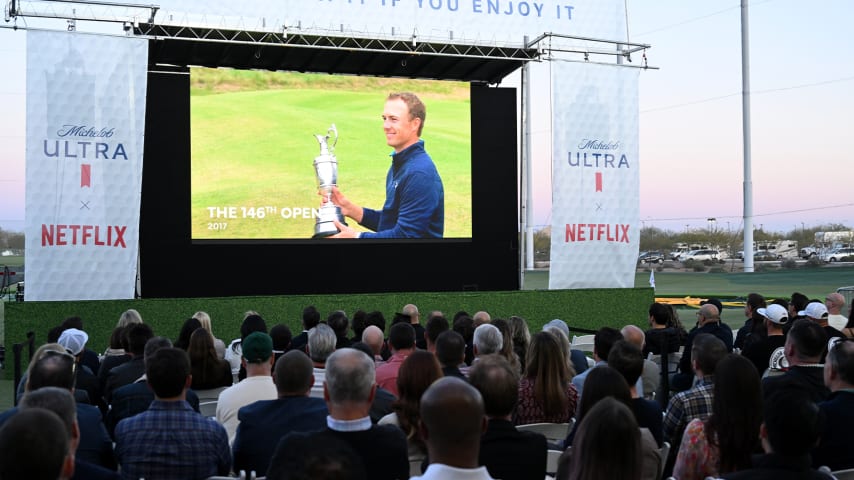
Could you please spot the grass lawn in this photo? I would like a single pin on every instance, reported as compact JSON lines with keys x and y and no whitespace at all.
{"x":812,"y":282}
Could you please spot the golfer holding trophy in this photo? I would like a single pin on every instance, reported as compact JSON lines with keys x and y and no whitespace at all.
{"x":415,"y":197}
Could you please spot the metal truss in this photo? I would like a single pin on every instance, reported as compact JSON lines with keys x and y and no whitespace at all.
{"x":343,"y":43}
{"x":555,"y":46}
{"x":140,"y":20}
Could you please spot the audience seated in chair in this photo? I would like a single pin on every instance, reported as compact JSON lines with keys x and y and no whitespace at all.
{"x":209,"y":371}
{"x":263,"y":423}
{"x":57,"y":369}
{"x":321,"y":344}
{"x":418,"y":371}
{"x":349,"y":391}
{"x":607,"y":445}
{"x":195,"y":447}
{"x":130,"y":371}
{"x":604,"y":382}
{"x":546,"y":393}
{"x":707,"y":351}
{"x":790,"y":429}
{"x":604,"y":338}
{"x":61,"y":402}
{"x":35,"y":444}
{"x":136,"y":397}
{"x":724,"y":442}
{"x":708,"y":321}
{"x":452,"y":422}
{"x":258,"y":358}
{"x":401,"y":339}
{"x":834,"y":449}
{"x":451,"y":353}
{"x":805,"y":345}
{"x":505,"y":452}
{"x":627,"y":359}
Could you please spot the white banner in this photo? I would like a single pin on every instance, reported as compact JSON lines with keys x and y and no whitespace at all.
{"x":595,"y":193}
{"x":85,"y":124}
{"x":479,"y":22}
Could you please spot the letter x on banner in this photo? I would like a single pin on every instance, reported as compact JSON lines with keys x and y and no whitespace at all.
{"x":595,"y":196}
{"x":85,"y":125}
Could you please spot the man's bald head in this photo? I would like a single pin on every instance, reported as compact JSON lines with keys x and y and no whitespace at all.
{"x":480,"y":318}
{"x":634,"y":335}
{"x":710,"y":313}
{"x":452,"y":417}
{"x":373,"y":337}
{"x":834,"y":303}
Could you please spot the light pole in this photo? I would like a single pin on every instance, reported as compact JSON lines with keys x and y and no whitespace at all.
{"x":712,"y":222}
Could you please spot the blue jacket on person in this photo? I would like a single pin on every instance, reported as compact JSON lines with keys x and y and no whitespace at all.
{"x":415,"y":199}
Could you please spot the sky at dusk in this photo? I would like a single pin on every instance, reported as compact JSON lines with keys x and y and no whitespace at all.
{"x":690,"y":111}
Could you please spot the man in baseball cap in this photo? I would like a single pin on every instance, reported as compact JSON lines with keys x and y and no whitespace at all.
{"x":258,"y":361}
{"x":817,"y":312}
{"x":74,"y":340}
{"x":761,"y":350}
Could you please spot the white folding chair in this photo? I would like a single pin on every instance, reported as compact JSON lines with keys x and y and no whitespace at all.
{"x":665,"y":451}
{"x":552,"y":460}
{"x":554,"y":432}
{"x":847,"y":474}
{"x":415,"y":467}
{"x":209,"y":394}
{"x":208,"y":408}
{"x":583,"y":343}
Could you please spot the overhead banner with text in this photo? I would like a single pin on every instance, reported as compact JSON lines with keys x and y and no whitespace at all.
{"x":595,"y":185}
{"x":85,"y":124}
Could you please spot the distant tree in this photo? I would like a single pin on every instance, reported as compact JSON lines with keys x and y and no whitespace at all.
{"x":543,"y":244}
{"x":16,"y":240}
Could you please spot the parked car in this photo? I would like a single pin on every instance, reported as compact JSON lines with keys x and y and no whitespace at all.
{"x":764,"y":256}
{"x":837,"y":254}
{"x":700,"y":256}
{"x":651,"y":257}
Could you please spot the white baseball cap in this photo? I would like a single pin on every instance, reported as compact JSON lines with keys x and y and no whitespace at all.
{"x":775,"y":313}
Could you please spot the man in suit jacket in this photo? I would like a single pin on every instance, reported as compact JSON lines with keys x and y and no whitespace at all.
{"x":132,"y":370}
{"x":57,"y":370}
{"x":265,"y":422}
{"x":349,"y":390}
{"x":61,"y":402}
{"x":506,"y":453}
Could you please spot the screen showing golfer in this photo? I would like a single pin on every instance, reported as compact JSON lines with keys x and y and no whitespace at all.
{"x":415,"y":198}
{"x":264,"y":144}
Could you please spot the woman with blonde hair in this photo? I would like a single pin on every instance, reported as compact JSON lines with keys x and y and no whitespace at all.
{"x":521,"y":336}
{"x":507,"y":350}
{"x":129,"y":317}
{"x":546,"y":393}
{"x":205,"y":319}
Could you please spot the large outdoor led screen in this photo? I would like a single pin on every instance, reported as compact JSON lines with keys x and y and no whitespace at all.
{"x":255,"y":135}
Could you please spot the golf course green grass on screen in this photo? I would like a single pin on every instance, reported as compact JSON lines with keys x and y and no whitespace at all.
{"x":253,"y":146}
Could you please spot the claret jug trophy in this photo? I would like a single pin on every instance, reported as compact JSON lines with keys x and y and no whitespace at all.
{"x":326,"y":168}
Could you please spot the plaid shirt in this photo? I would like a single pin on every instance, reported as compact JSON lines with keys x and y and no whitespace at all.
{"x":686,"y":406}
{"x":171,"y":441}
